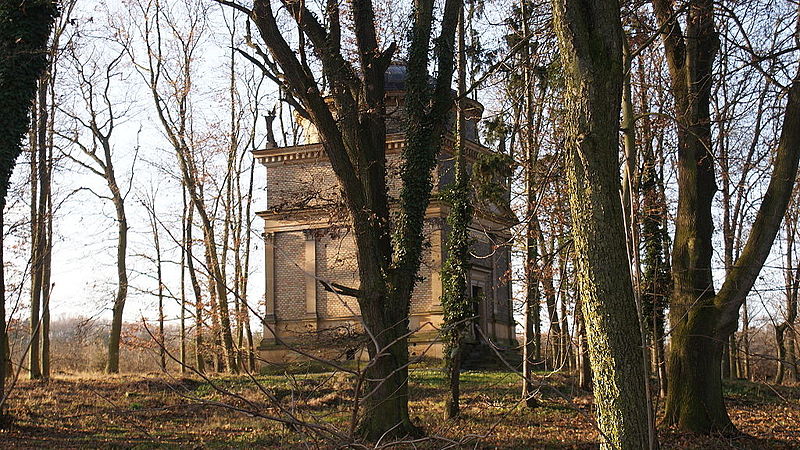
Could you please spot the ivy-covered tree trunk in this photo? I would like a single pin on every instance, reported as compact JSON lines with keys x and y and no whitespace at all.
{"x":590,"y":39}
{"x":24,"y":30}
{"x":656,"y":278}
{"x":456,"y":301}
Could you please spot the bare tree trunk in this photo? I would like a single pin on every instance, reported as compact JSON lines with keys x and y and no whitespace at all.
{"x":44,"y":357}
{"x":98,"y":106}
{"x":546,"y":278}
{"x":150,"y":205}
{"x":245,"y":271}
{"x":198,"y":295}
{"x":38,"y":225}
{"x":532,"y":336}
{"x":122,"y":275}
{"x":746,"y":339}
{"x":794,"y":344}
{"x":242,"y":242}
{"x":217,"y":354}
{"x":183,"y":286}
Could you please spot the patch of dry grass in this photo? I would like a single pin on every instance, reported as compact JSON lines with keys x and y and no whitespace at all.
{"x":153,"y":410}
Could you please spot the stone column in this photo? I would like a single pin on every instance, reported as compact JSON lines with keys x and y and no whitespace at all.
{"x":436,"y":269}
{"x":310,"y":269}
{"x":269,"y":291}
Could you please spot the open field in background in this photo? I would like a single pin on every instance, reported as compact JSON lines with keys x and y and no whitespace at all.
{"x":156,"y":410}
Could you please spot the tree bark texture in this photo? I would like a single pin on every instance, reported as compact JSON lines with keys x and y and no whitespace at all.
{"x":590,"y":39}
{"x":702,"y":320}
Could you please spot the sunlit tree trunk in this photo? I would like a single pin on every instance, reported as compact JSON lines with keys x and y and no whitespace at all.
{"x":590,"y":39}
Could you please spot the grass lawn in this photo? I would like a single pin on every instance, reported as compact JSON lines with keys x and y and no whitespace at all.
{"x":157,"y":411}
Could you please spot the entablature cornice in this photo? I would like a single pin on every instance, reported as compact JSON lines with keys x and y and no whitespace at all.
{"x":315,"y":152}
{"x":320,"y":217}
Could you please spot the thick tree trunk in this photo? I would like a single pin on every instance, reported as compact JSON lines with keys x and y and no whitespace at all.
{"x":702,"y":321}
{"x":386,"y":400}
{"x":694,"y":397}
{"x":590,"y":39}
{"x":696,"y":358}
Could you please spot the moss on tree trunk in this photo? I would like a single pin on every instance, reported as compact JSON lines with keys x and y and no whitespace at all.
{"x":590,"y":39}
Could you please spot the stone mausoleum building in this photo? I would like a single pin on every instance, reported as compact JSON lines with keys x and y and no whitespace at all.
{"x":308,"y":239}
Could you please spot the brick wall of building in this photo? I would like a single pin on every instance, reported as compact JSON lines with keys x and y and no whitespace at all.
{"x":289,"y":276}
{"x":293,"y":185}
{"x":336,"y":262}
{"x":312,"y":183}
{"x":501,"y":285}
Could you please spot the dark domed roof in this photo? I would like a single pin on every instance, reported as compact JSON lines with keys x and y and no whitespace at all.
{"x":395,"y":77}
